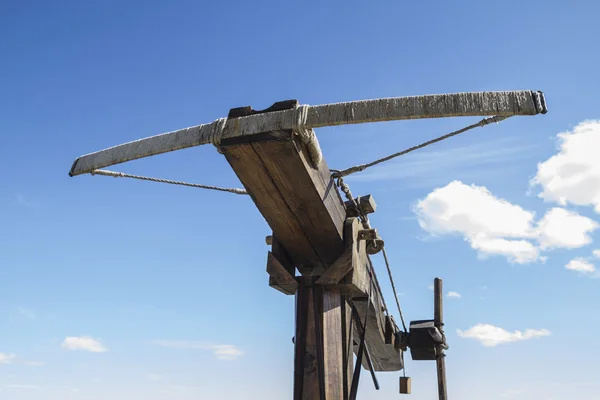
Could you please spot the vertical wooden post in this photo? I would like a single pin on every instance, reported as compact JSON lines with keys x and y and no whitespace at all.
{"x":438,"y":316}
{"x":334,"y":371}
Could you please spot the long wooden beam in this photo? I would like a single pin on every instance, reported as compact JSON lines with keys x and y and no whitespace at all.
{"x":304,"y":209}
{"x":506,"y":103}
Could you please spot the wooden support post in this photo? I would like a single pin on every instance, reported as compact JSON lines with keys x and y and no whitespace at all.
{"x":331,"y":330}
{"x":438,"y":316}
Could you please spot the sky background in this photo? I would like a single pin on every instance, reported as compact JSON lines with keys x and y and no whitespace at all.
{"x":125,"y":289}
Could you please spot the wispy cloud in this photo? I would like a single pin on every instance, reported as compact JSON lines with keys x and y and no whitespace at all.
{"x":513,"y":392}
{"x":583,"y":266}
{"x":23,"y":201}
{"x":84,"y":343}
{"x":220,"y":351}
{"x":490,"y":335}
{"x":155,"y":377}
{"x":7,"y":358}
{"x":426,"y":168}
{"x":34,"y":363}
{"x":22,"y":387}
{"x":455,"y":295}
{"x":27,"y":313}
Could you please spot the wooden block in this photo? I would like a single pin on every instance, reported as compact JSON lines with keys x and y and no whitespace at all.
{"x":390,"y":330}
{"x":366,"y":203}
{"x":404,"y":385}
{"x":279,"y":277}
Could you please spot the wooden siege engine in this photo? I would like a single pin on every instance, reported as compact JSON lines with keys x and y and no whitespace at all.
{"x":321,"y":244}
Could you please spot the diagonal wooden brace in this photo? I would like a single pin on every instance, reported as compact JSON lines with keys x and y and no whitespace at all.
{"x":352,"y":259}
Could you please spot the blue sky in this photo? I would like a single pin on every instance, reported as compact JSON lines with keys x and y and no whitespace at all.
{"x":125,"y":289}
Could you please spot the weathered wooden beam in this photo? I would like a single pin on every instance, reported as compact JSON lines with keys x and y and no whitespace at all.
{"x":299,"y":202}
{"x":385,"y":357}
{"x":331,"y":311}
{"x":507,"y":103}
{"x":305,"y":211}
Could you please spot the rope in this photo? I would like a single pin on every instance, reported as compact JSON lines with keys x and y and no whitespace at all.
{"x":387,"y":264}
{"x":146,"y":178}
{"x":346,"y":190}
{"x":307,"y":135}
{"x":362,"y":167}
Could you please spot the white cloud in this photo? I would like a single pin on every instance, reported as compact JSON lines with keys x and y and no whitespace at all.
{"x":221,"y":351}
{"x":596,"y":253}
{"x":84,"y":343}
{"x":488,"y":223}
{"x":494,"y":226}
{"x":490,"y":335}
{"x":155,"y":377}
{"x":581,"y":265}
{"x":572,"y":176}
{"x":456,"y":295}
{"x":472,"y":211}
{"x":516,"y":251}
{"x":34,"y":363}
{"x":565,"y":229}
{"x":7,"y":358}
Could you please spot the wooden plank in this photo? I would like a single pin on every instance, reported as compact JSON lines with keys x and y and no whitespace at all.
{"x":301,"y":203}
{"x":315,"y":203}
{"x":347,"y":345}
{"x":506,"y":103}
{"x":306,"y":382}
{"x":332,"y":343}
{"x":256,"y":178}
{"x":385,"y":357}
{"x":279,"y":277}
{"x":294,"y":196}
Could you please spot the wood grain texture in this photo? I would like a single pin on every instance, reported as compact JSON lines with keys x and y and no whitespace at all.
{"x":269,"y":200}
{"x":385,"y":357}
{"x":279,"y":277}
{"x":332,"y":343}
{"x":306,"y":214}
{"x":299,"y":204}
{"x":522,"y":102}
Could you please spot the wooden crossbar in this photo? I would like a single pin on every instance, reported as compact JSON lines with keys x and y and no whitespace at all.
{"x":505,"y":103}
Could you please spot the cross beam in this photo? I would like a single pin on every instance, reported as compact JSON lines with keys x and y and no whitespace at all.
{"x":506,"y":103}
